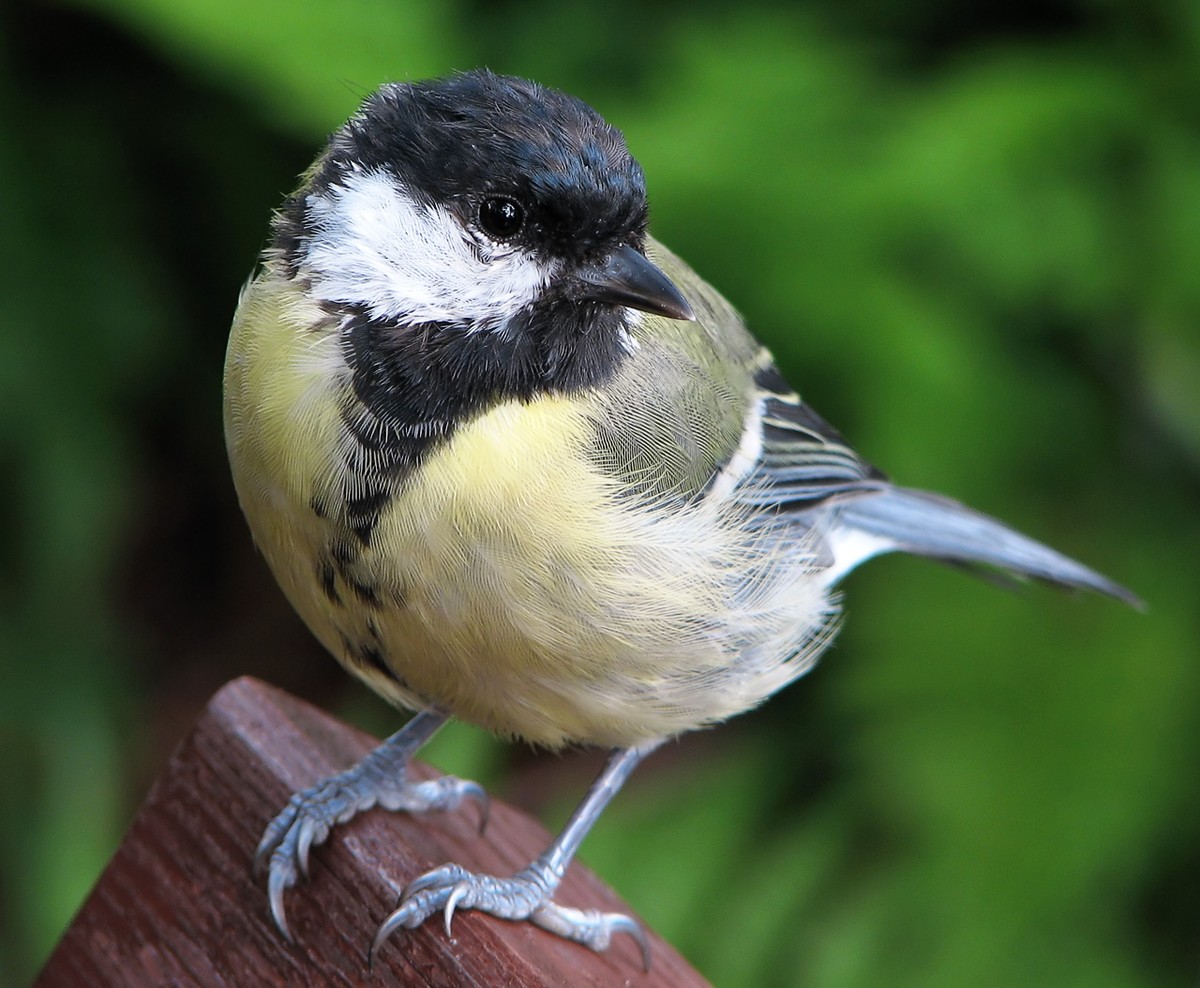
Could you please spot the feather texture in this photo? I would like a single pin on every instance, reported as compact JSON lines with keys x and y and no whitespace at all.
{"x":626,"y":562}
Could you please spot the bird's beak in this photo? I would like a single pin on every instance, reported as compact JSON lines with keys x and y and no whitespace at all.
{"x":625,"y":277}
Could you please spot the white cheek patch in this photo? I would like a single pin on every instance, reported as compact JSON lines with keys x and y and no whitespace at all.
{"x":410,"y":263}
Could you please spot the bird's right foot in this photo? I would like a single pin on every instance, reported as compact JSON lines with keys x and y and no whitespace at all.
{"x":381,"y":780}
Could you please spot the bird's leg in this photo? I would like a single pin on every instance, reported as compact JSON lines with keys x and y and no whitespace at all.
{"x":380,"y":779}
{"x":528,"y":895}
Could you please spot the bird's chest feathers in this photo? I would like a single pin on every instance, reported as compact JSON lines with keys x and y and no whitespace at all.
{"x":500,"y":512}
{"x":484,"y":572}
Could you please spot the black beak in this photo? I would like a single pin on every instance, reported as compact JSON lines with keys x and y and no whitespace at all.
{"x":625,"y":277}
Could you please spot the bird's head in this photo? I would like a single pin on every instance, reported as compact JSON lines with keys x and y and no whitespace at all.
{"x":480,"y":203}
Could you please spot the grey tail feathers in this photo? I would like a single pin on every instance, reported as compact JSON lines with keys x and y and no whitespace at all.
{"x":932,"y":525}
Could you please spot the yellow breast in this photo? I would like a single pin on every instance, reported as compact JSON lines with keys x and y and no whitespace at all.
{"x":512,"y":580}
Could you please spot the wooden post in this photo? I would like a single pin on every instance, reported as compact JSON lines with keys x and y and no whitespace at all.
{"x":178,"y":905}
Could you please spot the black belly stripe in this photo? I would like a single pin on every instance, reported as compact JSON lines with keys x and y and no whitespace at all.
{"x":326,"y":577}
{"x":369,"y":656}
{"x":369,"y":502}
{"x":364,"y":592}
{"x":341,"y":555}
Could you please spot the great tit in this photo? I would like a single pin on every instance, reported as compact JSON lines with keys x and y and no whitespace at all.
{"x":513,"y":461}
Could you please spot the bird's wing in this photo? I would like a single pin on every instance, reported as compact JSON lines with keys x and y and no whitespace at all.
{"x":807,"y":470}
{"x":802,"y":461}
{"x":770,"y":451}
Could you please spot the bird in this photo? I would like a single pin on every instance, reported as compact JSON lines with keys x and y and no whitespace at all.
{"x":514,"y":462}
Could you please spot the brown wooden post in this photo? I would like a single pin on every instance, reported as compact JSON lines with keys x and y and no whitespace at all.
{"x":178,"y":905}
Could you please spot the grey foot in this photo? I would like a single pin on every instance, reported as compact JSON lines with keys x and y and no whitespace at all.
{"x":311,"y":813}
{"x":524,"y":896}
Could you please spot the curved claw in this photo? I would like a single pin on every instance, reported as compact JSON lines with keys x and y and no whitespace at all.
{"x":446,"y":889}
{"x":446,"y":875}
{"x":590,"y":927}
{"x":473,"y":790}
{"x":457,"y":894}
{"x":280,"y":880}
{"x":396,"y":920}
{"x":620,"y":923}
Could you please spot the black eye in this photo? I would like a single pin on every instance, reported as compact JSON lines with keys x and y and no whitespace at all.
{"x":501,"y":218}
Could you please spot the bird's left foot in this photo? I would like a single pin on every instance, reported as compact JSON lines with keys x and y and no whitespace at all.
{"x":527,"y":895}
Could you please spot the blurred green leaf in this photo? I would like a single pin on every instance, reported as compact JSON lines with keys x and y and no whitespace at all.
{"x":303,"y":63}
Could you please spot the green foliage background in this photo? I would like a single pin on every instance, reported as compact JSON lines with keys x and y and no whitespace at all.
{"x":971,"y":233}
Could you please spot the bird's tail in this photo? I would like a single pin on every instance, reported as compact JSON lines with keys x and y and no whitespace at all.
{"x":928,"y":524}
